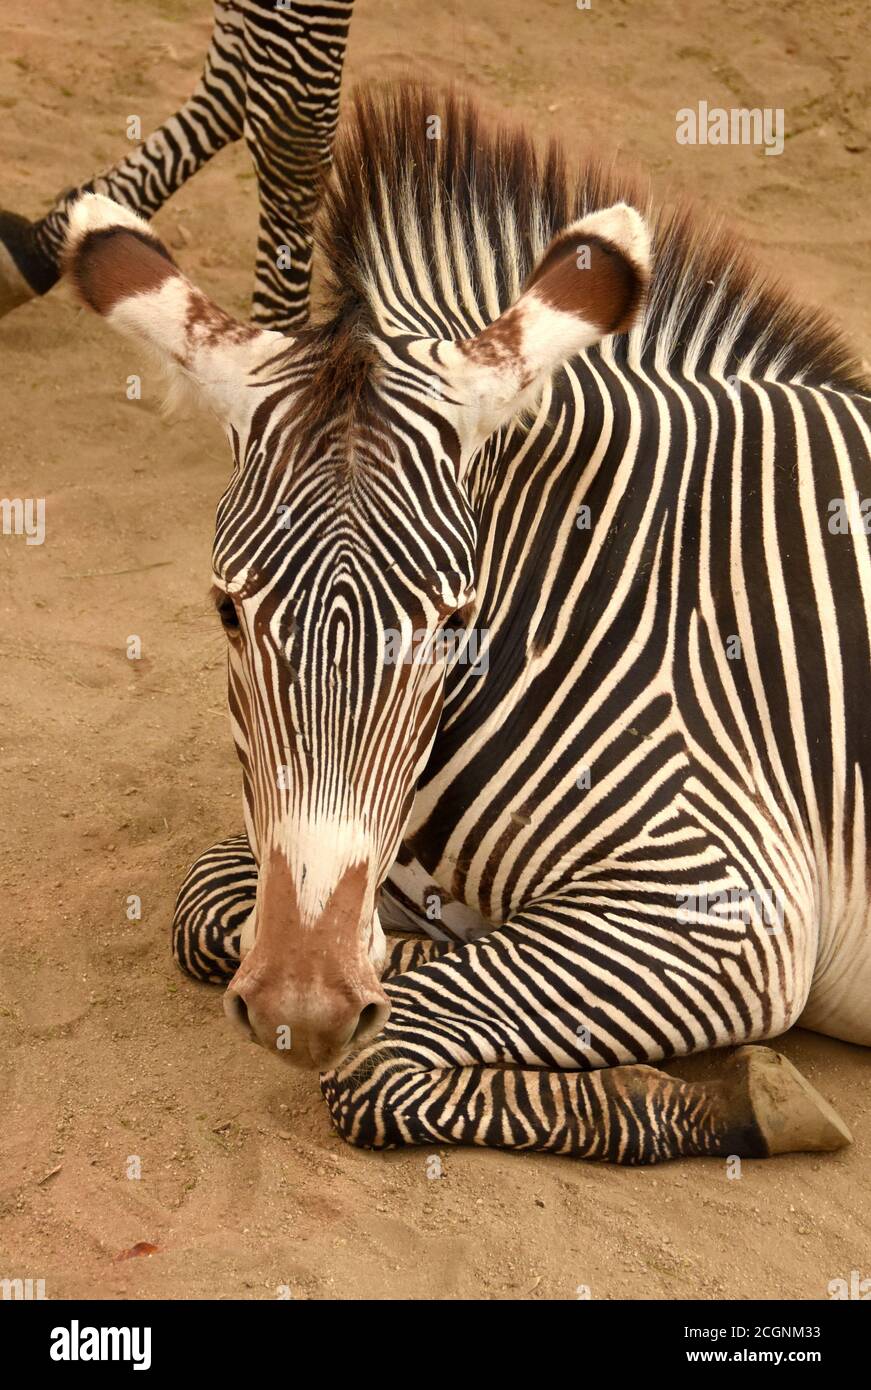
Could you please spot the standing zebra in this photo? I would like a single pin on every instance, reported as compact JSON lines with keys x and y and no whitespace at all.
{"x":643,"y":817}
{"x":273,"y":74}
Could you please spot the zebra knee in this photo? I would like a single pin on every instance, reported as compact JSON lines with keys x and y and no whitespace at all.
{"x":203,"y":950}
{"x":213,"y":905}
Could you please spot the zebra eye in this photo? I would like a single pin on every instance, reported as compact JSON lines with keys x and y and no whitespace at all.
{"x":228,"y":615}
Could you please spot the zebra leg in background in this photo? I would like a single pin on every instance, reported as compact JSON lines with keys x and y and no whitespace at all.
{"x":271,"y":71}
{"x":143,"y":181}
{"x":493,"y":1044}
{"x":217,"y":897}
{"x":294,"y":60}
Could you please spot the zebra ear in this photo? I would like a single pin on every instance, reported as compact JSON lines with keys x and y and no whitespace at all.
{"x":590,"y":282}
{"x":122,"y":271}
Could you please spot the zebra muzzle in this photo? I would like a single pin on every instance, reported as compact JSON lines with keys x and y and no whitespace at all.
{"x":307,"y":988}
{"x":302,"y":1033}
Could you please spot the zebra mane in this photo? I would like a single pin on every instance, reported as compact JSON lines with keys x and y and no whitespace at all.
{"x":433,"y":220}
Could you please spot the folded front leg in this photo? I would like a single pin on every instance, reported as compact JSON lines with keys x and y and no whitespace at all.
{"x":504,"y":1042}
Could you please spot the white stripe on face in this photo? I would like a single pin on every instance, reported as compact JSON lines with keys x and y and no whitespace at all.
{"x":318,"y":852}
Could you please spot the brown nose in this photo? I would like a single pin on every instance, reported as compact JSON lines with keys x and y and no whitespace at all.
{"x":308,"y":990}
{"x":310,"y":1028}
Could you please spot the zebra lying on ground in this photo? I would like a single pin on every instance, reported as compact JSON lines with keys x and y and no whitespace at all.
{"x":272,"y":74}
{"x":643,"y":816}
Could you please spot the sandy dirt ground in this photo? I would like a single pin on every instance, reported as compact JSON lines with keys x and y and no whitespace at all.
{"x":114,"y":773}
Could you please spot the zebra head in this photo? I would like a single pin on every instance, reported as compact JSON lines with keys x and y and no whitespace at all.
{"x":345,"y":543}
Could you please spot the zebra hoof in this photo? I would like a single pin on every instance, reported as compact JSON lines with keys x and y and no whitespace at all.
{"x":25,"y":272}
{"x":791,"y":1114}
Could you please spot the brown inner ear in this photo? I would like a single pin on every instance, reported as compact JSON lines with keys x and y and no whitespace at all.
{"x":606,"y":293}
{"x":116,"y":262}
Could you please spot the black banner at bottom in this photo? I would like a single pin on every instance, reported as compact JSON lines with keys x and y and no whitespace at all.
{"x":60,"y":1339}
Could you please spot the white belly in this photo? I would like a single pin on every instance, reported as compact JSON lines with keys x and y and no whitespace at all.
{"x":839,"y":1003}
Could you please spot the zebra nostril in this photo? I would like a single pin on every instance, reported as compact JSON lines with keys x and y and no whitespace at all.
{"x":236,"y":1011}
{"x":372,"y":1019}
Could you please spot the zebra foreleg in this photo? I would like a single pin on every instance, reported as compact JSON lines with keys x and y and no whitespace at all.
{"x":480,"y":1050}
{"x":760,"y":1106}
{"x":213,"y":904}
{"x":143,"y":181}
